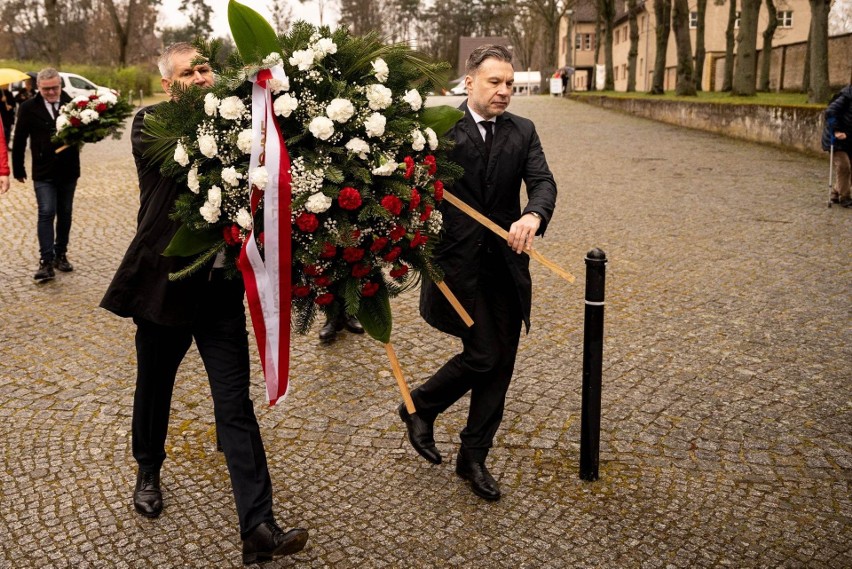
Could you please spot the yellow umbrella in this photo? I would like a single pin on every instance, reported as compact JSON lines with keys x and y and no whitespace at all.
{"x":9,"y":75}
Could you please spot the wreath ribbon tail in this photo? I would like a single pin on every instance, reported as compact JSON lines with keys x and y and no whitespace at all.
{"x":499,"y":231}
{"x":400,"y":380}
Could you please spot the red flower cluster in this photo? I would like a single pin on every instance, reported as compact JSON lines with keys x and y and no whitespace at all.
{"x":232,"y":236}
{"x":307,"y":222}
{"x":349,"y":198}
{"x":393,"y":204}
{"x":431,"y":163}
{"x":409,"y":167}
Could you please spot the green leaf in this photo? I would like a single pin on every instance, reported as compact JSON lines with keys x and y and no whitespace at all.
{"x":253,"y":35}
{"x":441,"y":118}
{"x":375,"y":315}
{"x":187,"y":242}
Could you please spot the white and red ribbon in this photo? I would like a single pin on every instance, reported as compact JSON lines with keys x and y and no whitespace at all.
{"x":267,"y":277}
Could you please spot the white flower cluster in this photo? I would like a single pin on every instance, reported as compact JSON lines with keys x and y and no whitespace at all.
{"x":85,"y":109}
{"x":305,"y":59}
{"x":304,"y":180}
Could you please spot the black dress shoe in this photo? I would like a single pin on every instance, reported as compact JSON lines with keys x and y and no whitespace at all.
{"x":60,"y":263}
{"x":481,"y":481}
{"x":267,"y":541}
{"x":147,"y":497}
{"x":330,"y":329}
{"x":45,"y":272}
{"x":420,"y":435}
{"x":353,"y":325}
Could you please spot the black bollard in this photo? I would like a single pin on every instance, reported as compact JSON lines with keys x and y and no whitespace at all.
{"x":590,"y":425}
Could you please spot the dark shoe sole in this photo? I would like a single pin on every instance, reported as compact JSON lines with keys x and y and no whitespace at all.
{"x":149,"y":515}
{"x":475,"y":490}
{"x":403,"y":414}
{"x":43,"y":280}
{"x":290,"y":547}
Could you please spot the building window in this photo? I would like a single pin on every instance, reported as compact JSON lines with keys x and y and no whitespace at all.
{"x":589,"y":42}
{"x":785,"y":18}
{"x":583,"y":42}
{"x":693,"y":20}
{"x":737,"y":22}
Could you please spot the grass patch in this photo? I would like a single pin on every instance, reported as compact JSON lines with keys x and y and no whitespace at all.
{"x":717,"y":97}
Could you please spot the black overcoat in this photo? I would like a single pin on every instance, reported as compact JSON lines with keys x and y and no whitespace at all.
{"x":493,"y":189}
{"x":35,"y":124}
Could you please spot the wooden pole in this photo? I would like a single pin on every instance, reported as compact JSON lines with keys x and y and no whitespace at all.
{"x":397,"y":372}
{"x":454,"y":302}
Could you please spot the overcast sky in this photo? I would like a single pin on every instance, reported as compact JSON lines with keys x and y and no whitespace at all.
{"x":171,"y":17}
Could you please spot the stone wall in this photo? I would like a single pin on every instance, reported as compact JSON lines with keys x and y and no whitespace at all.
{"x":796,"y":128}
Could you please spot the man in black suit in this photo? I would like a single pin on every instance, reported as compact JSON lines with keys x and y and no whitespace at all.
{"x":490,"y":276}
{"x":205,"y":307}
{"x":54,"y":175}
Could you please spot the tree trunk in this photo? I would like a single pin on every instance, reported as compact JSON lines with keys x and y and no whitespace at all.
{"x":663,"y":15}
{"x":54,"y":53}
{"x":744,"y":73}
{"x":609,"y":17}
{"x":728,"y":81}
{"x":122,"y":30}
{"x":700,"y":51}
{"x":598,"y":31}
{"x":819,"y":90}
{"x":634,"y":46}
{"x":768,"y":34}
{"x":685,"y":72}
{"x":806,"y":68}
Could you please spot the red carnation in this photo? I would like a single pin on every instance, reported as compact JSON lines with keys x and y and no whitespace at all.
{"x":324,"y":299}
{"x":439,"y":190}
{"x":349,"y":198}
{"x":301,"y":291}
{"x":418,"y":240}
{"x":232,"y":234}
{"x":397,"y":233}
{"x":75,"y":121}
{"x":92,"y":96}
{"x":353,"y":254}
{"x":312,"y":270}
{"x":393,"y":204}
{"x":427,"y":213}
{"x":369,"y":289}
{"x":307,"y":222}
{"x":399,"y":271}
{"x":329,"y":251}
{"x":82,"y":104}
{"x":356,"y":233}
{"x":409,"y":166}
{"x":393,"y":254}
{"x":322,"y":281}
{"x":379,"y":243}
{"x":433,"y":165}
{"x":415,"y":199}
{"x":101,"y":107}
{"x":361,"y":270}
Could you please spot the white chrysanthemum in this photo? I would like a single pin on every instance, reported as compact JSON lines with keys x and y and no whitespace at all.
{"x":387,"y":168}
{"x":303,"y":59}
{"x":318,"y":203}
{"x":278,"y":85}
{"x":413,"y":98}
{"x":89,"y":115}
{"x":62,"y":122}
{"x":232,"y":108}
{"x":380,"y":70}
{"x":272,"y":60}
{"x":321,"y":127}
{"x":244,"y":140}
{"x":285,"y":105}
{"x":211,"y":104}
{"x":259,"y":177}
{"x":244,"y":219}
{"x":214,"y":196}
{"x":432,"y":138}
{"x":379,"y":96}
{"x":192,"y":180}
{"x":359,"y":147}
{"x":181,"y":157}
{"x":340,"y":110}
{"x":230,"y":176}
{"x":107,"y":96}
{"x":209,"y":212}
{"x":375,"y":124}
{"x":207,"y":145}
{"x":418,"y":141}
{"x":323,"y":47}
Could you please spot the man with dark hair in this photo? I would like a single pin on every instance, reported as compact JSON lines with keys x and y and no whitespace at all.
{"x":490,"y":276}
{"x":54,"y":174}
{"x":208,"y":308}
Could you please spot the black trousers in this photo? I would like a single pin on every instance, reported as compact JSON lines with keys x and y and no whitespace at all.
{"x":485,"y":365}
{"x":220,"y":334}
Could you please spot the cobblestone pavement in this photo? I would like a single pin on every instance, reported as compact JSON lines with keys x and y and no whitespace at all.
{"x":727,"y":412}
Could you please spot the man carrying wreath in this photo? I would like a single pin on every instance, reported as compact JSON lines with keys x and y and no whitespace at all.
{"x":488,"y":275}
{"x":168,"y":315}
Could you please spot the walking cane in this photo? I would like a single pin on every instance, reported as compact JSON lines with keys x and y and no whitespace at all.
{"x":830,"y":170}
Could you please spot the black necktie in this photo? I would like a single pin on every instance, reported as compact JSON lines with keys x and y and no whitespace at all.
{"x":55,"y":108}
{"x":489,"y":136}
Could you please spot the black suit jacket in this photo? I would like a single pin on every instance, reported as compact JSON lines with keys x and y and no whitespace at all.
{"x":494,"y":189}
{"x":141,"y":286}
{"x":35,"y":123}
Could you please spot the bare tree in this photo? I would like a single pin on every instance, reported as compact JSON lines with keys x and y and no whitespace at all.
{"x":551,"y":13}
{"x":282,"y":15}
{"x":607,"y":9}
{"x":685,"y":85}
{"x":361,"y":16}
{"x":818,"y":88}
{"x":663,"y":15}
{"x":700,"y":51}
{"x":744,"y":72}
{"x":728,"y":81}
{"x":633,"y":53}
{"x":768,"y":34}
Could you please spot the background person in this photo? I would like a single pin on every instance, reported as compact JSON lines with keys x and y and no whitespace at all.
{"x":54,"y":175}
{"x":4,"y":163}
{"x":490,"y":276}
{"x":168,"y":315}
{"x":838,"y":119}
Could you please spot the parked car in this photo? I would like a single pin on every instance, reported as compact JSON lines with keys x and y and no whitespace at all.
{"x":77,"y":85}
{"x":459,"y":89}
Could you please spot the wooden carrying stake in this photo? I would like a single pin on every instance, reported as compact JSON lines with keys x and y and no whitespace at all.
{"x":454,"y":302}
{"x":505,"y":235}
{"x":397,"y":372}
